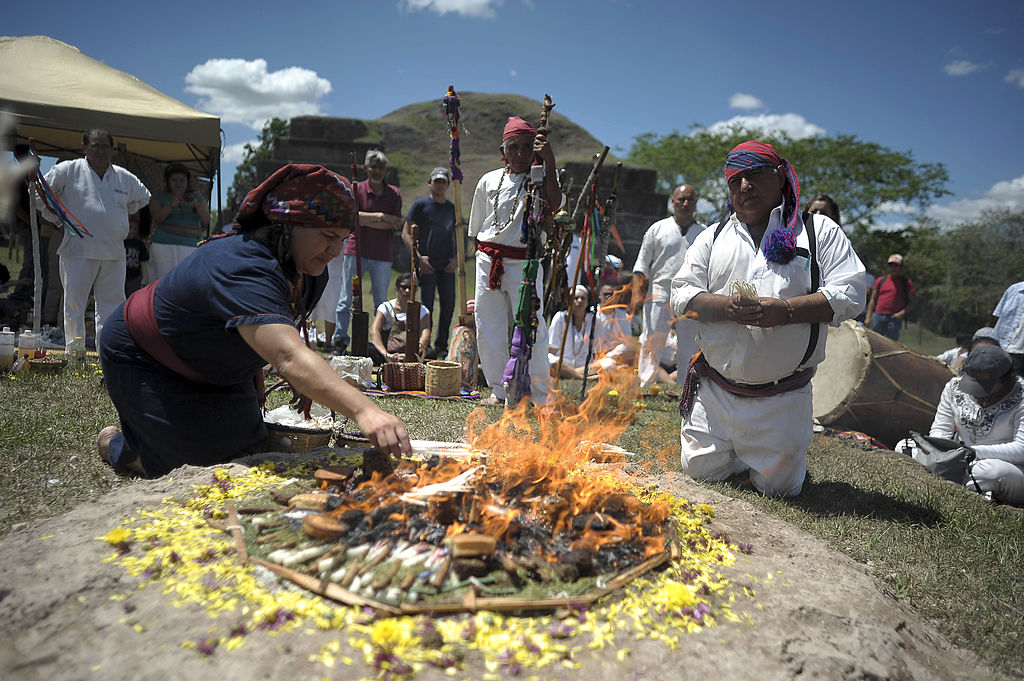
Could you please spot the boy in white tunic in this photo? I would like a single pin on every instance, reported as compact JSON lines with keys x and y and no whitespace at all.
{"x":747,"y":398}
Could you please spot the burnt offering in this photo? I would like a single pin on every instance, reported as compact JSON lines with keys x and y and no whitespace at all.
{"x":462,"y":532}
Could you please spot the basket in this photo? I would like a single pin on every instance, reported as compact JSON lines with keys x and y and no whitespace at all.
{"x":398,"y":376}
{"x":443,"y":378}
{"x":282,"y":438}
{"x":47,"y":365}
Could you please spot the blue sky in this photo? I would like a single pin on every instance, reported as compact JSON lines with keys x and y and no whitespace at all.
{"x":942,"y":80}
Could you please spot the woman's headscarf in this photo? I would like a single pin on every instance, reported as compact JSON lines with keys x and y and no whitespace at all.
{"x":301,"y":195}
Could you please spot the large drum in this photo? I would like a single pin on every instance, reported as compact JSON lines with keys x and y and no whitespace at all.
{"x":876,"y":385}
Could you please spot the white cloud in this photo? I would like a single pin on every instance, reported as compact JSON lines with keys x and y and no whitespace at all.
{"x":896,"y":207}
{"x":1016,"y":76}
{"x":241,"y":91}
{"x":513,"y":73}
{"x":1006,"y":194}
{"x":480,"y":9}
{"x":961,"y":67}
{"x":745,"y":101}
{"x":794,"y":125}
{"x":232,"y":153}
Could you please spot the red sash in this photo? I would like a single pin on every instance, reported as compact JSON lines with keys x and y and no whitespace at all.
{"x":140,"y":318}
{"x":497,"y":253}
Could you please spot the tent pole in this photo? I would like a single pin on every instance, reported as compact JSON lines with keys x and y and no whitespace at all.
{"x":220,"y":209}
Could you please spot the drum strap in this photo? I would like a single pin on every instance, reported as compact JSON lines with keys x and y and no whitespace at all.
{"x":812,"y":243}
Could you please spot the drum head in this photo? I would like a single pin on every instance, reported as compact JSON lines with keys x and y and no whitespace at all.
{"x":839,"y":377}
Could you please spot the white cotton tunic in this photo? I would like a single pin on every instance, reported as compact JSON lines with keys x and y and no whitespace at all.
{"x":510,"y":189}
{"x":662,"y":252}
{"x":750,"y":354}
{"x":101,"y":204}
{"x":612,"y":334}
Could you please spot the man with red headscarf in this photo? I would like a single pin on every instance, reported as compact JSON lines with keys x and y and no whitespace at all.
{"x":495,"y":221}
{"x":761,"y":286}
{"x":180,"y":356}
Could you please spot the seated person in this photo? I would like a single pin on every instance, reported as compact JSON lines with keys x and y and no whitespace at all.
{"x":984,"y":410}
{"x":986,"y":335}
{"x":387,"y":332}
{"x":954,"y":358}
{"x":614,"y":339}
{"x":609,"y":340}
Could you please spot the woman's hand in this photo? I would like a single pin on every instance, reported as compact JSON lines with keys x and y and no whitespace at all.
{"x":385,"y":431}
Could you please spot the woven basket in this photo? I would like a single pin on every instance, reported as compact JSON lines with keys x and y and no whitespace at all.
{"x":399,"y":376}
{"x":443,"y":378}
{"x":281,"y":438}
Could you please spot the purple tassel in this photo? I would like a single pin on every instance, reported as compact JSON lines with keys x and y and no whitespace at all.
{"x":516,"y":377}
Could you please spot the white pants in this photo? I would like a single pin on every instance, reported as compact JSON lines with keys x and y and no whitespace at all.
{"x":165,"y":257}
{"x":1003,"y":479}
{"x":105,"y":278}
{"x":494,"y":322}
{"x":725,"y":435}
{"x":653,"y":347}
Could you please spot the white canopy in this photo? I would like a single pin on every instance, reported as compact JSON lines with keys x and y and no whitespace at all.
{"x":55,"y":93}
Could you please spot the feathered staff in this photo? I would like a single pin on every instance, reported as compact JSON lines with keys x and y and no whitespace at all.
{"x":360,"y":319}
{"x":516,"y":377}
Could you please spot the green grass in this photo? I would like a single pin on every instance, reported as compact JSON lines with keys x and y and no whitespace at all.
{"x":947,"y":554}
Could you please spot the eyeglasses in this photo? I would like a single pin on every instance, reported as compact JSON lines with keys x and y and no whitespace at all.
{"x":753,"y":175}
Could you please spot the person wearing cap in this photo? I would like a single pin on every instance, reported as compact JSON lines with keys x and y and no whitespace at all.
{"x":984,"y":409}
{"x":434,"y":217}
{"x":183,"y":358}
{"x":746,"y":402}
{"x":380,"y":216}
{"x":495,"y":221}
{"x":891,"y":299}
{"x":661,"y":254}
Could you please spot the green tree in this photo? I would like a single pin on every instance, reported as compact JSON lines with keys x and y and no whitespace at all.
{"x":245,"y":173}
{"x":861,"y":176}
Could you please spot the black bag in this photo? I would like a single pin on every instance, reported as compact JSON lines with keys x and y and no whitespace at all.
{"x":947,"y":459}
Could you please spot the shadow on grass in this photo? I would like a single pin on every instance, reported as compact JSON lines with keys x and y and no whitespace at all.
{"x":833,"y":498}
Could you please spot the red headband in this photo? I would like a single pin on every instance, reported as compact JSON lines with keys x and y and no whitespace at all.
{"x":517,"y":127}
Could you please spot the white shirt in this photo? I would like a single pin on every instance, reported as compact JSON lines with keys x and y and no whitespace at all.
{"x":661,"y":254}
{"x":1010,"y":313}
{"x":614,"y":333}
{"x":994,"y":432}
{"x":101,"y":204}
{"x":510,"y":189}
{"x":576,"y":341}
{"x":750,"y":354}
{"x":1015,"y":344}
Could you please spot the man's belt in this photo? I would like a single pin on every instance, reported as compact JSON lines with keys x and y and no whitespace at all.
{"x":497,"y":253}
{"x":699,"y":368}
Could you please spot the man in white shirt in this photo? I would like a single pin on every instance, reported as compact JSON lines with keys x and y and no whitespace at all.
{"x":495,"y":221}
{"x":747,"y":399}
{"x":661,"y":254}
{"x":102,"y":196}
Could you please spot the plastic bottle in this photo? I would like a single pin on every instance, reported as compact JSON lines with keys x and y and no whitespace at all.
{"x":8,"y":343}
{"x":27,"y":343}
{"x":77,"y":351}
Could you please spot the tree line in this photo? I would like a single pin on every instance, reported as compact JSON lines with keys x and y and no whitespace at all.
{"x":959,"y":271}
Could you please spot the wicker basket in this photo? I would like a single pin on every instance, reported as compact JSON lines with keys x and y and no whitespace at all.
{"x":281,"y":438}
{"x":443,"y":378}
{"x":399,"y":376}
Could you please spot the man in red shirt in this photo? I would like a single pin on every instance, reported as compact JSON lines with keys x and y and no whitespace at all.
{"x":891,"y":299}
{"x":380,"y":215}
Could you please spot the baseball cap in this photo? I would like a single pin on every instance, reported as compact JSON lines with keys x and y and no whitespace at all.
{"x":441,"y":172}
{"x":985,"y":365}
{"x":985,"y":332}
{"x":895,"y":259}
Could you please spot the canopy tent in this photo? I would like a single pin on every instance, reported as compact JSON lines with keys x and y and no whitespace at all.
{"x":55,"y":93}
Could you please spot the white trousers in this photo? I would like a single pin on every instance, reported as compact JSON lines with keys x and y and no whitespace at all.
{"x":725,"y":435}
{"x":165,"y":257}
{"x":653,"y":347}
{"x":105,"y":278}
{"x":1003,"y":479}
{"x":494,"y":323}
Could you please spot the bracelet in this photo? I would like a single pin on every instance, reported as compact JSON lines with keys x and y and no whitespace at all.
{"x":789,"y":312}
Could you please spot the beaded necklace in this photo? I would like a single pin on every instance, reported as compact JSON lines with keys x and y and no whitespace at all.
{"x":515,"y":201}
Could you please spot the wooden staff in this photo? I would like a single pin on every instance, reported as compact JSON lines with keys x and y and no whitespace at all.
{"x":360,"y":336}
{"x":450,"y":106}
{"x":412,"y":307}
{"x":599,"y":266}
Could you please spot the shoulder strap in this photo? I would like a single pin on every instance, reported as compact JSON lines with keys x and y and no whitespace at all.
{"x":812,"y":246}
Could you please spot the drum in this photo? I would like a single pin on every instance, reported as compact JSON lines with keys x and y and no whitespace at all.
{"x":876,"y":385}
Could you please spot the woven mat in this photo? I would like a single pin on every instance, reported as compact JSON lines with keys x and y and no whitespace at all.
{"x":463,"y":394}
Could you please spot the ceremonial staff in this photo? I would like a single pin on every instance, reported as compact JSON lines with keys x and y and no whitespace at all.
{"x":586,"y":196}
{"x":516,"y":377}
{"x":360,"y":319}
{"x":450,"y":107}
{"x":601,"y":258}
{"x":412,"y":307}
{"x":559,"y":246}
